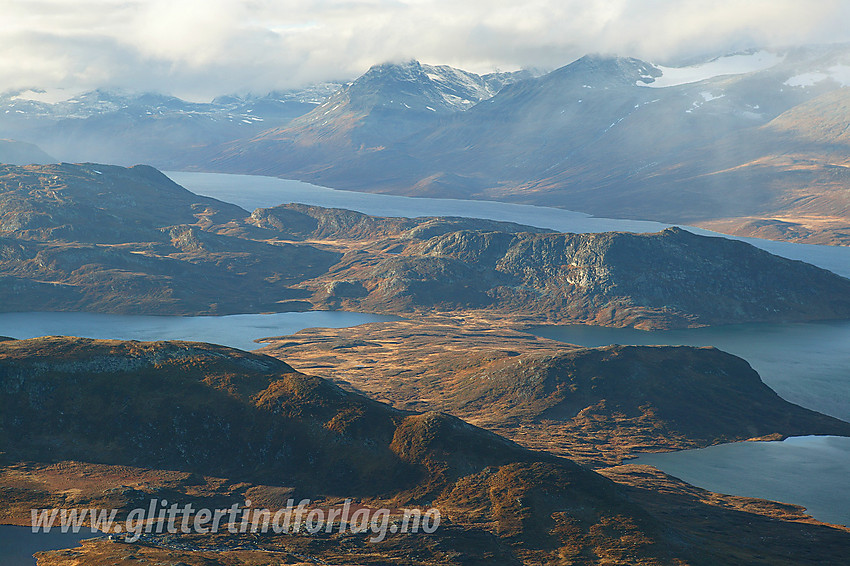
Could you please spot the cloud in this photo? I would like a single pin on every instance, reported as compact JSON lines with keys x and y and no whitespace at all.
{"x":201,"y":48}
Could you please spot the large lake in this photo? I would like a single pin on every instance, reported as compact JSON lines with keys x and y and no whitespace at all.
{"x":811,"y":471}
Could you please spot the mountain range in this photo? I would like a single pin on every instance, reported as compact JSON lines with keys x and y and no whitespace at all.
{"x":21,"y":153}
{"x":752,"y":143}
{"x":127,"y":128}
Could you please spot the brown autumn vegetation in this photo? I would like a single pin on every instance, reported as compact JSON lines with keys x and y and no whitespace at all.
{"x":117,"y":424}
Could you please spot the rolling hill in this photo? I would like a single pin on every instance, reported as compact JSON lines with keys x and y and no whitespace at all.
{"x":188,"y":419}
{"x":110,"y":239}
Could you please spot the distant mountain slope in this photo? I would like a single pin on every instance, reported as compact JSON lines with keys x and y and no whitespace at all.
{"x":800,"y":160}
{"x":600,"y":136}
{"x":14,"y":152}
{"x":125,"y":129}
{"x":822,"y":121}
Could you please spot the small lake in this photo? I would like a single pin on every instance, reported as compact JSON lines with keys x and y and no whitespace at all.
{"x":18,"y":544}
{"x":811,"y":471}
{"x":807,"y":364}
{"x":251,"y":191}
{"x":236,"y":331}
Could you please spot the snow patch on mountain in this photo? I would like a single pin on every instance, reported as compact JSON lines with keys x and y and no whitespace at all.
{"x":708,"y":97}
{"x":46,"y":96}
{"x":838,"y":73}
{"x":729,"y":65}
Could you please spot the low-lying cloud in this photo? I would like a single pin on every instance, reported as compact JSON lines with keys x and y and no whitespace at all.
{"x":201,"y":48}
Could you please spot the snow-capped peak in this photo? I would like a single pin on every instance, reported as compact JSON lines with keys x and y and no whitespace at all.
{"x":424,"y":88}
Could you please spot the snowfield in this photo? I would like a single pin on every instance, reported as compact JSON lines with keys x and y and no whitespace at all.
{"x":838,"y":73}
{"x":729,"y":65}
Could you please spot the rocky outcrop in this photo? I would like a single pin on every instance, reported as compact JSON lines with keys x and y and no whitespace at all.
{"x":302,"y":221}
{"x":98,"y":203}
{"x":671,"y":278}
{"x":681,"y":396}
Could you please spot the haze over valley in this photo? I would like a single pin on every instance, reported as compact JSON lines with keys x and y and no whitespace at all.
{"x":747,"y":143}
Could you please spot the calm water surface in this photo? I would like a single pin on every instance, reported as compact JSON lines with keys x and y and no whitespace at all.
{"x":236,"y":331}
{"x":17,"y":544}
{"x":811,"y":471}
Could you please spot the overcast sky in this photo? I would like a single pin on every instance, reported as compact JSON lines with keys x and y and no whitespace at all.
{"x":201,"y":48}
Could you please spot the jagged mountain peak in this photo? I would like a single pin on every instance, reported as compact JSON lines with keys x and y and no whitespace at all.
{"x":410,"y":85}
{"x":404,"y":70}
{"x":605,"y":70}
{"x":419,"y":87}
